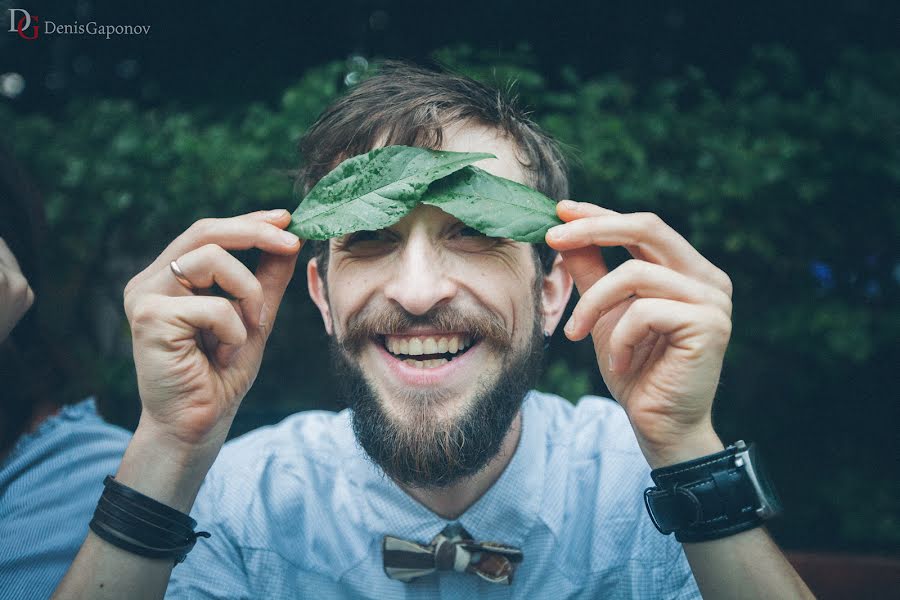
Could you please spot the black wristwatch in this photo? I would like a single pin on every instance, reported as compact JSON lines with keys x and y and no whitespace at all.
{"x":713,"y":496}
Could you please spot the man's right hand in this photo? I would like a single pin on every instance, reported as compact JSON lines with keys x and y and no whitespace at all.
{"x":197,"y":355}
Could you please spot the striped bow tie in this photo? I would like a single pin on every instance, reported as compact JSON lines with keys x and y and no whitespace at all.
{"x":451,"y":550}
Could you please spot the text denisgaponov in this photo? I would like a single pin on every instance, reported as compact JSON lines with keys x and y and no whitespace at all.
{"x":92,"y":28}
{"x":27,"y":26}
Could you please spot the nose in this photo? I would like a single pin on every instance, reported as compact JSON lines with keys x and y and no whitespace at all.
{"x":420,"y":279}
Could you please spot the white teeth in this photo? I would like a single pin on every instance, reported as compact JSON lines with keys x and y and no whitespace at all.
{"x":416,"y":346}
{"x":426,"y":364}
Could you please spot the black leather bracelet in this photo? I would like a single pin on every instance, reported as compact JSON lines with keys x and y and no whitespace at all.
{"x":121,"y":491}
{"x":176,"y":554}
{"x":710,"y":497}
{"x":141,"y":525}
{"x":124,"y":508}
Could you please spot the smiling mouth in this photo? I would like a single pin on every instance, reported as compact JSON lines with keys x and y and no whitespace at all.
{"x":427,"y":351}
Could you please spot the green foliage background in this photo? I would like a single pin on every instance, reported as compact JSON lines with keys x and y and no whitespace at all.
{"x":788,"y":183}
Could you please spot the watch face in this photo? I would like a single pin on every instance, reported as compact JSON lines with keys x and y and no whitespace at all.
{"x":770,"y":501}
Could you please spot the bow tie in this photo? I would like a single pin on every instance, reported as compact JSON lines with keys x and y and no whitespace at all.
{"x":451,"y":550}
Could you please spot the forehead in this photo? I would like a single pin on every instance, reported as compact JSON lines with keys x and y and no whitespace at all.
{"x":471,"y":137}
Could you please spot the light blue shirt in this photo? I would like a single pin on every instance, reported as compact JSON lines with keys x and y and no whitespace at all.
{"x":49,"y":486}
{"x":296,"y":510}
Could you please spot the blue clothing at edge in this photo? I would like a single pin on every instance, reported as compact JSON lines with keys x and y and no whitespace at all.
{"x":49,"y":486}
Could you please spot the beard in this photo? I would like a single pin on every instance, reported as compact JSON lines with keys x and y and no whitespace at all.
{"x":426,"y":449}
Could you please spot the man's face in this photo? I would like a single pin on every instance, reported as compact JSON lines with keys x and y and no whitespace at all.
{"x":436,"y":331}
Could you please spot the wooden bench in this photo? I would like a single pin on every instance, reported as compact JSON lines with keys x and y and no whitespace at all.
{"x":848,"y":576}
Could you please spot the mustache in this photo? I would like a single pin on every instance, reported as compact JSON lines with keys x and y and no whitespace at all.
{"x":381,"y":320}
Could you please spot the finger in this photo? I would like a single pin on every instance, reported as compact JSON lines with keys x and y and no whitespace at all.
{"x":29,"y":298}
{"x":188,"y":317}
{"x":585,"y":265}
{"x":263,"y":230}
{"x":7,"y":258}
{"x":15,"y":292}
{"x":657,"y":242}
{"x":644,"y":280}
{"x":569,"y":210}
{"x":274,"y":274}
{"x":212,"y":265}
{"x":700,"y":331}
{"x":220,"y":351}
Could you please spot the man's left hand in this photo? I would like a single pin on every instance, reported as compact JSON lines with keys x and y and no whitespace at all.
{"x":660,"y":324}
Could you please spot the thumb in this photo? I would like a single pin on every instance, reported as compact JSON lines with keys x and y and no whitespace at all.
{"x":585,"y":265}
{"x":274,"y":274}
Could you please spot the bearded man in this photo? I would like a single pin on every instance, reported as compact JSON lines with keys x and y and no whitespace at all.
{"x":448,"y":475}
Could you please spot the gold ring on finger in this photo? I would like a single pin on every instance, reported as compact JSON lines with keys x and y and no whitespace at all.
{"x":180,"y":276}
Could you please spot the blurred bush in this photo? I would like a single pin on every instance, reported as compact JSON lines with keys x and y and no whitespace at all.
{"x":787,"y":183}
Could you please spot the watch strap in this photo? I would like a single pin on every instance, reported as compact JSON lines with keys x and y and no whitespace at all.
{"x":703,"y":499}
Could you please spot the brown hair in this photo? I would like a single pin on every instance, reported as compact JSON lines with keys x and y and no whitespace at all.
{"x":405,"y":104}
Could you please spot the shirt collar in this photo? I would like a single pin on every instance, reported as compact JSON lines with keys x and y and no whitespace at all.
{"x":505,"y":513}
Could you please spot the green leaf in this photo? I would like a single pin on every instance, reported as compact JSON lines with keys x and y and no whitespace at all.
{"x":493,"y":205}
{"x":374,"y":190}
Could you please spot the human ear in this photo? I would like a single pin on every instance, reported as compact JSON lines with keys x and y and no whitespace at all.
{"x":318,"y":293}
{"x":555,"y":292}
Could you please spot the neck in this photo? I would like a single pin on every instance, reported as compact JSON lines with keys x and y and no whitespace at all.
{"x":42,"y":411}
{"x":452,"y":501}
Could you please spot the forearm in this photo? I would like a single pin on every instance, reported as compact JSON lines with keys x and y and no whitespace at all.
{"x":745,"y":565}
{"x":164,"y":472}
